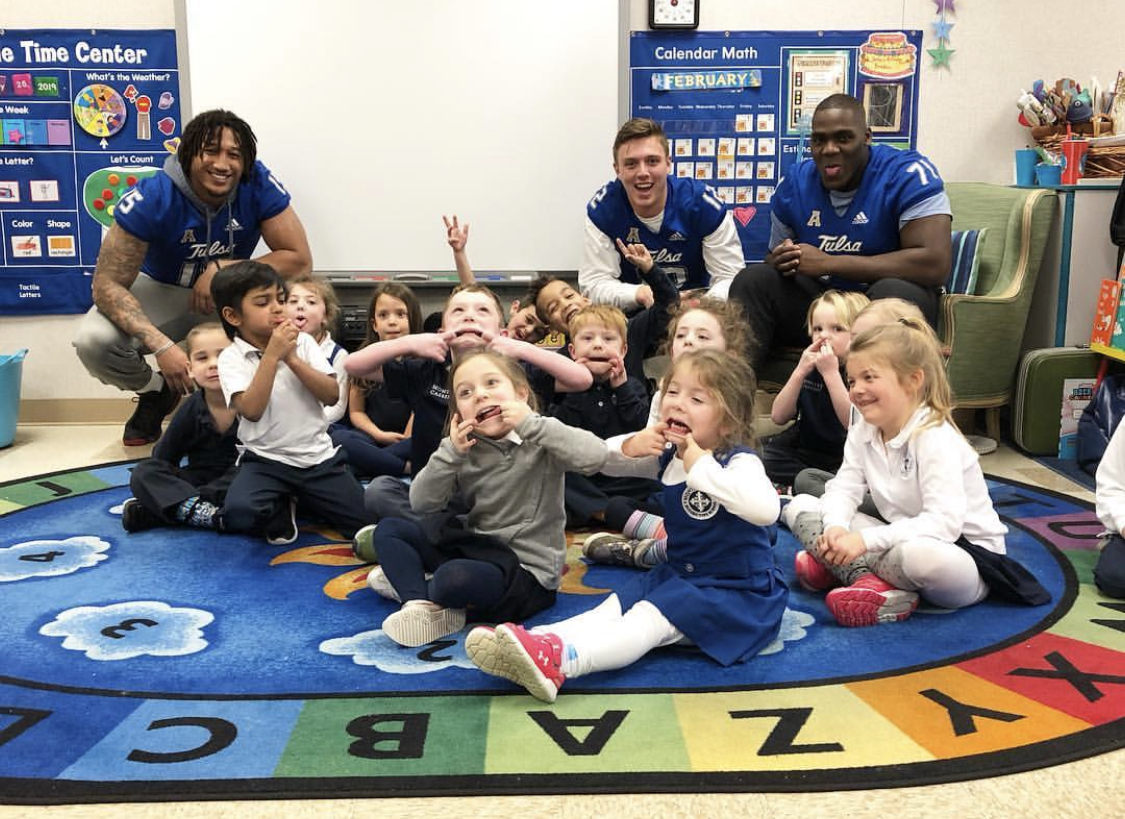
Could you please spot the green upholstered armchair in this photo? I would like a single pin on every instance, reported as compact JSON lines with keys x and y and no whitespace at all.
{"x":984,"y":332}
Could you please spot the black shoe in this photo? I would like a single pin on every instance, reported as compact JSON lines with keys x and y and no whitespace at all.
{"x":135,"y":518}
{"x":144,"y":427}
{"x":282,"y":528}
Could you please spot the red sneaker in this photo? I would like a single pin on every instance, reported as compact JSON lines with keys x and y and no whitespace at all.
{"x":531,"y":660}
{"x":813,"y":575}
{"x":870,"y":601}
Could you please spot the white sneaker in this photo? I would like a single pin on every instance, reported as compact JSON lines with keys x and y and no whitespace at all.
{"x":420,"y":622}
{"x":377,"y":581}
{"x":799,"y":504}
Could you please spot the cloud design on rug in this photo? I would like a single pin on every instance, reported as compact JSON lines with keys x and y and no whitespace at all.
{"x":794,"y":625}
{"x":377,"y":649}
{"x":137,"y":628}
{"x":50,"y":558}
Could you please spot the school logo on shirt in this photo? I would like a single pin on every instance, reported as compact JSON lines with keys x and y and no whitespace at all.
{"x":906,"y":468}
{"x":188,"y":237}
{"x":440,"y":393}
{"x":860,"y":219}
{"x":233,"y":224}
{"x":699,"y":505}
{"x":677,"y":237}
{"x":634,"y":236}
{"x":814,"y":219}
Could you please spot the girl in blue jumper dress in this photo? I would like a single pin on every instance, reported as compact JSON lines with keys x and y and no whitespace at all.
{"x":720,"y":589}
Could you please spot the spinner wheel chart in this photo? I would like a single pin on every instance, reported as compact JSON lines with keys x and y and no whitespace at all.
{"x":175,"y":664}
{"x":100,"y":110}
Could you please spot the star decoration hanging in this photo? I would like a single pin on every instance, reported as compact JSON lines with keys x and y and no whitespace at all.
{"x":941,"y":30}
{"x":941,"y":54}
{"x":945,"y":5}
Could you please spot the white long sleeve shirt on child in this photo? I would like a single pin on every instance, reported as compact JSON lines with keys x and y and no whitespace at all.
{"x":1110,"y":493}
{"x":925,"y":484}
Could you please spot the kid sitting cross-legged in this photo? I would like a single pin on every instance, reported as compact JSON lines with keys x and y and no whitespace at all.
{"x":507,"y":462}
{"x":204,"y":430}
{"x":278,"y":381}
{"x":720,"y":589}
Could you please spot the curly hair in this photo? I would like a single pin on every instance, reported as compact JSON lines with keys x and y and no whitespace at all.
{"x":207,"y":129}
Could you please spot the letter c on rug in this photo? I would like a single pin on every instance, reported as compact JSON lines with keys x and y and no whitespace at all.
{"x":222,"y":734}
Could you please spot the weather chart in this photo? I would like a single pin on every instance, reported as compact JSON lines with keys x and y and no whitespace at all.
{"x":84,"y":115}
{"x":736,"y":105}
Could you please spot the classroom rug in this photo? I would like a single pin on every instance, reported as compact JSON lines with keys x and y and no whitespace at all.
{"x":179,"y":665}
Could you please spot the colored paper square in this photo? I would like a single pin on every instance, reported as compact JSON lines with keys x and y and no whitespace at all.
{"x":14,"y":132}
{"x":9,"y":191}
{"x":58,"y":132}
{"x":46,"y":86}
{"x":22,"y":85}
{"x":35,"y":132}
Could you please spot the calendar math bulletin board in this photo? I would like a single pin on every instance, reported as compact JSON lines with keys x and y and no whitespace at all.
{"x":736,"y":104}
{"x":84,"y":115}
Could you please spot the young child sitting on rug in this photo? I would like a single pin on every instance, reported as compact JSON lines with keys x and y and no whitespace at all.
{"x":507,"y":462}
{"x":416,"y":370}
{"x":617,"y":403}
{"x":375,"y":433}
{"x":313,"y":308}
{"x":1109,"y":574}
{"x":720,"y":589}
{"x":278,"y":381}
{"x":204,"y":430}
{"x":710,"y":324}
{"x":937,"y":534}
{"x":815,"y":397}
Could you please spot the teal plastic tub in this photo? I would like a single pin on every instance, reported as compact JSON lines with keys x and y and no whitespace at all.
{"x":11,"y":370}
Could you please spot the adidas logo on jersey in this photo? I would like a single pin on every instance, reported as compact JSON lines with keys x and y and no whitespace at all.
{"x":677,"y":237}
{"x":860,"y":219}
{"x":188,"y":237}
{"x":233,"y":224}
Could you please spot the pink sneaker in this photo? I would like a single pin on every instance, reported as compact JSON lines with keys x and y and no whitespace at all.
{"x":531,"y":660}
{"x":870,"y":601}
{"x":813,"y":575}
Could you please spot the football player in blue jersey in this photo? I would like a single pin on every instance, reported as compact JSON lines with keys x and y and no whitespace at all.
{"x":682,"y":222}
{"x":858,"y":217}
{"x":207,"y":208}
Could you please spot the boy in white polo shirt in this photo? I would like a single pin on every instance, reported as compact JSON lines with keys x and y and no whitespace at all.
{"x":278,"y":381}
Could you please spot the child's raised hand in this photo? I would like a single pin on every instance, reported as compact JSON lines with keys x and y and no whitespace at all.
{"x":689,"y":451}
{"x":512,"y":412}
{"x":283,"y":340}
{"x":457,"y":235}
{"x":826,"y":361}
{"x":460,"y":433}
{"x":637,"y":254}
{"x":434,"y":346}
{"x":502,"y":344}
{"x":647,"y":442}
{"x":838,"y":546}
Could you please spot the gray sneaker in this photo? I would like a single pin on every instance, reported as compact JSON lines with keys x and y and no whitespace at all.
{"x":614,"y":550}
{"x":419,"y":622}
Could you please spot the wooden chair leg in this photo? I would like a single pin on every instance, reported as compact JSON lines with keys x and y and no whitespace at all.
{"x":992,"y":423}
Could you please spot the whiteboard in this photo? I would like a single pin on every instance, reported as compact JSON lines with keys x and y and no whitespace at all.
{"x":379,"y":117}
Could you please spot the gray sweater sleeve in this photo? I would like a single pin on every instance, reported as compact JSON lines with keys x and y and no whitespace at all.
{"x":431,"y":489}
{"x":576,"y":449}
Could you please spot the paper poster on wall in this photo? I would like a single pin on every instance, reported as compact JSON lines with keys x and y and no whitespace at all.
{"x":84,"y":115}
{"x":733,"y":102}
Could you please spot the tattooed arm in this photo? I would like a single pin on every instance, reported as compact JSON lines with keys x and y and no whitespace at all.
{"x":119,"y":264}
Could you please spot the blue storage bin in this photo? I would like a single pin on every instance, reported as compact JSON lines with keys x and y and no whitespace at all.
{"x":11,"y":369}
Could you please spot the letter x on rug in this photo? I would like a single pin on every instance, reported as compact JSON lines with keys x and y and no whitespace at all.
{"x":174,"y":664}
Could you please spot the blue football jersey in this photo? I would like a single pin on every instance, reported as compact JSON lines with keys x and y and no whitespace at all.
{"x":182,"y":239}
{"x":893,"y":182}
{"x":691,"y":212}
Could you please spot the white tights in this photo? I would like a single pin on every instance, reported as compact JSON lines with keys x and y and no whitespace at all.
{"x":604,"y":638}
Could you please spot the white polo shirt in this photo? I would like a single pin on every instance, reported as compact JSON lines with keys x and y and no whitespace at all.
{"x":293,"y":429}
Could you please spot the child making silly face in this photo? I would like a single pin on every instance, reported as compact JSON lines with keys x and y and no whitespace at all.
{"x":597,"y":342}
{"x":489,"y":403}
{"x":305,"y":308}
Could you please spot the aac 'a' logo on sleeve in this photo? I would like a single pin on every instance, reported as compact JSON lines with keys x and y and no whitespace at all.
{"x":814,"y":219}
{"x":634,"y":237}
{"x":188,"y":238}
{"x":698,"y":504}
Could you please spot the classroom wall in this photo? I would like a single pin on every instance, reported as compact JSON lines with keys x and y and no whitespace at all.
{"x":967,"y":121}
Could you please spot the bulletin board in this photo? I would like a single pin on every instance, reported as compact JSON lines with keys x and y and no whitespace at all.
{"x":85,"y":115}
{"x":736,"y":104}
